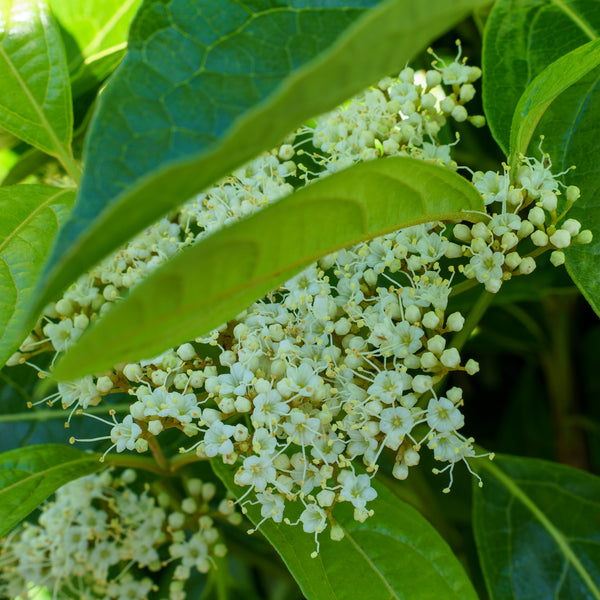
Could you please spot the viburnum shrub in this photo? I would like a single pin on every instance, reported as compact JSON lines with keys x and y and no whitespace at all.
{"x":264,"y":266}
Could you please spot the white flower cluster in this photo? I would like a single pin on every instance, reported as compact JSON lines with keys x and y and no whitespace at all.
{"x":347,"y":359}
{"x":98,"y":528}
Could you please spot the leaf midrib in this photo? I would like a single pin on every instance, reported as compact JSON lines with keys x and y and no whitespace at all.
{"x":58,"y":145}
{"x":576,"y":19}
{"x":554,"y":532}
{"x":45,"y":204}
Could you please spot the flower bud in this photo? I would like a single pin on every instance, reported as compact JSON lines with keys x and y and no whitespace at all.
{"x":509,"y":240}
{"x":455,"y":322}
{"x":573,"y":226}
{"x":527,"y":265}
{"x":557,"y":258}
{"x":539,"y":238}
{"x":472,"y":367}
{"x":186,"y":352}
{"x":462,"y":232}
{"x":560,"y":239}
{"x":133,"y":372}
{"x":536,"y":216}
{"x":412,"y":314}
{"x":430,"y":320}
{"x":459,"y":113}
{"x":525,"y":230}
{"x":104,"y":384}
{"x":573,"y":193}
{"x":585,"y":237}
{"x":450,"y":358}
{"x":512,"y":260}
{"x":549,"y":200}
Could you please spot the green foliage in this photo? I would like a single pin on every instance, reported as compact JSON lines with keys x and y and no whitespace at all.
{"x":204,"y":87}
{"x":243,"y":262}
{"x":522,"y":39}
{"x":165,"y":128}
{"x":31,"y":215}
{"x":536,"y":526}
{"x":402,"y":557}
{"x":29,"y":475}
{"x":35,"y":96}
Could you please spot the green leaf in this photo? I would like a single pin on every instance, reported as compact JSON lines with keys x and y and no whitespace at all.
{"x":31,"y":216}
{"x":207,"y":86}
{"x":30,"y":475}
{"x":394,"y":554}
{"x":93,"y":28}
{"x":522,"y":37}
{"x":35,"y":96}
{"x":209,"y":283}
{"x":572,"y":129}
{"x":537,"y":530}
{"x":544,"y":89}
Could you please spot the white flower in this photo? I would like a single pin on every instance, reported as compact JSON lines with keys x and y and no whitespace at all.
{"x":256,"y":471}
{"x":357,"y":490}
{"x":216,"y":439}
{"x":443,"y":416}
{"x":124,"y":434}
{"x":313,"y":519}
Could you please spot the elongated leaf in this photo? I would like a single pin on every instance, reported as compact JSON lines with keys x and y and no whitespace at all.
{"x":211,"y":282}
{"x":31,"y":215}
{"x":93,"y":27}
{"x":35,"y":95}
{"x":29,"y":475}
{"x":537,"y":529}
{"x":522,"y":37}
{"x":394,"y":554}
{"x":572,"y":127}
{"x":204,"y":89}
{"x":544,"y":89}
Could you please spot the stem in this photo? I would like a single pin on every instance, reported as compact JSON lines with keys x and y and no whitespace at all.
{"x":183,"y":460}
{"x":68,"y":162}
{"x":158,"y":454}
{"x":472,"y":320}
{"x":43,"y":415}
{"x":558,"y":370}
{"x":135,"y":462}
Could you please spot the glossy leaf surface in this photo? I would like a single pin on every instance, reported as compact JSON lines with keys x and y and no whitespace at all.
{"x":209,"y":283}
{"x":30,"y":475}
{"x":537,"y":527}
{"x":544,"y":89}
{"x":396,"y":554}
{"x":31,"y":215}
{"x":522,"y":37}
{"x":35,"y":95}
{"x":207,"y":86}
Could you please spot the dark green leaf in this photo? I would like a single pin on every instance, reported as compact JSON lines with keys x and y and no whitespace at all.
{"x":522,"y":37}
{"x":544,"y":89}
{"x":241,"y":263}
{"x":29,"y":475}
{"x":35,"y":95}
{"x":206,"y":87}
{"x":394,"y":554}
{"x":537,"y":527}
{"x":31,"y":215}
{"x":572,"y":130}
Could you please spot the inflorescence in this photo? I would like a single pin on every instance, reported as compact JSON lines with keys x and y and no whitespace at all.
{"x":305,"y":389}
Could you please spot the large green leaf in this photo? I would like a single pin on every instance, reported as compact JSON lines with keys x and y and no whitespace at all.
{"x":522,"y":37}
{"x":544,"y":89}
{"x":211,"y":282}
{"x":206,"y":86}
{"x":572,"y":130}
{"x":537,"y":528}
{"x":29,"y":475}
{"x":396,"y":554}
{"x":31,"y":215}
{"x":35,"y":95}
{"x":93,"y":27}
